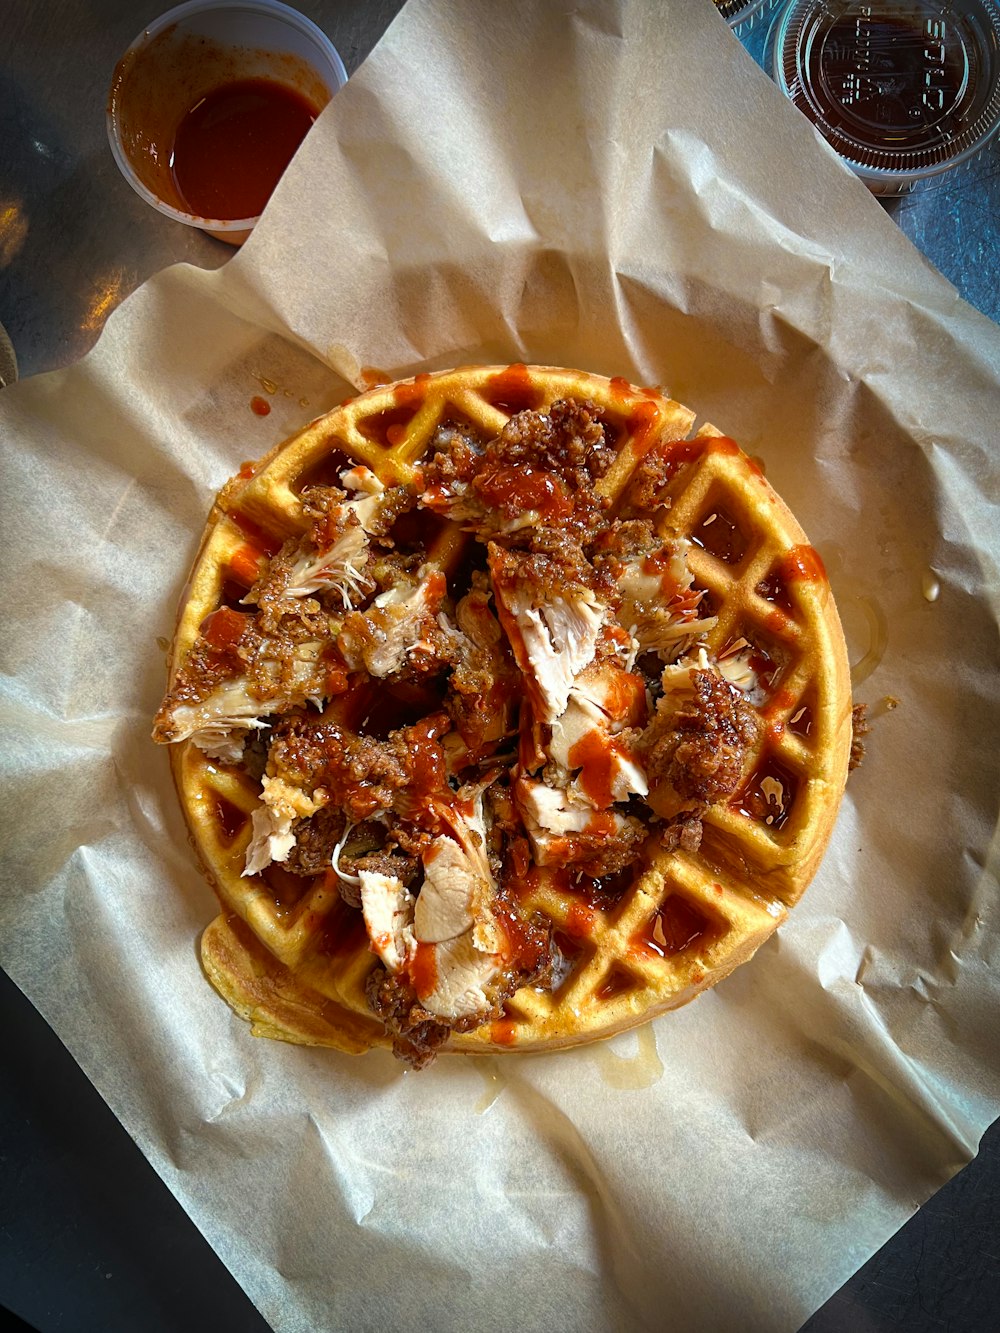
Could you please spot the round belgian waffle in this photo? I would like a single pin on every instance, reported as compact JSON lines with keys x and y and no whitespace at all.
{"x":290,"y":956}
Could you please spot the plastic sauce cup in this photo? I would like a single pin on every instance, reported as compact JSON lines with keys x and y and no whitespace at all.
{"x":214,"y":75}
{"x":902,"y":89}
{"x":740,"y":12}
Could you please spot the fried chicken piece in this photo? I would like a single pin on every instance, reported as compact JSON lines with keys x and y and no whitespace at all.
{"x":695,"y":749}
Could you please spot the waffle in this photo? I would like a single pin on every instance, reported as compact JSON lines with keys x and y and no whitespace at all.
{"x":288,"y":951}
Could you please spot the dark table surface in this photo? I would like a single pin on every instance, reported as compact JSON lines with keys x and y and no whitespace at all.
{"x":91,"y":1239}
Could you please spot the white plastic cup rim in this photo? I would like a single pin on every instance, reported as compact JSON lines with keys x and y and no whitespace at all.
{"x":225,"y":226}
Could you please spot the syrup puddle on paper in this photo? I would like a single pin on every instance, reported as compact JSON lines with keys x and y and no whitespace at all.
{"x":878,"y":640}
{"x":495,"y":1084}
{"x":626,"y":1073}
{"x":631,"y":1073}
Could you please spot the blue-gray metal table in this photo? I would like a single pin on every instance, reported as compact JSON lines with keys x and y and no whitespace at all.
{"x":91,"y":1238}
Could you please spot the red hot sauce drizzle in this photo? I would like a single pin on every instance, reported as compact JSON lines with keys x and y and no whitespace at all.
{"x":387,"y":426}
{"x":525,"y":943}
{"x":244,"y":565}
{"x":580,"y":920}
{"x":430,"y":788}
{"x":503,"y":1032}
{"x":780,"y":702}
{"x":515,"y":490}
{"x":802,"y":564}
{"x":642,"y":423}
{"x":675,"y":454}
{"x":423,"y":969}
{"x":512,"y":390}
{"x":595,"y":755}
{"x":621,"y":388}
{"x":412,"y":395}
{"x":371,"y":377}
{"x":224,"y":628}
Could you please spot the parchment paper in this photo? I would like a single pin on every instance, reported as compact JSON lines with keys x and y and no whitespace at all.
{"x":616,"y":188}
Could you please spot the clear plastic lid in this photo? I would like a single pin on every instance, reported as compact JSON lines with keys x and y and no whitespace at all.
{"x":902,"y":89}
{"x":737,"y":12}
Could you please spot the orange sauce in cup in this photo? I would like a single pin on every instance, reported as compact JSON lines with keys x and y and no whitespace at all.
{"x":233,"y":145}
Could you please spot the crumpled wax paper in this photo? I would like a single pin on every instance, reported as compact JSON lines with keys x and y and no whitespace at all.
{"x":614,"y":187}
